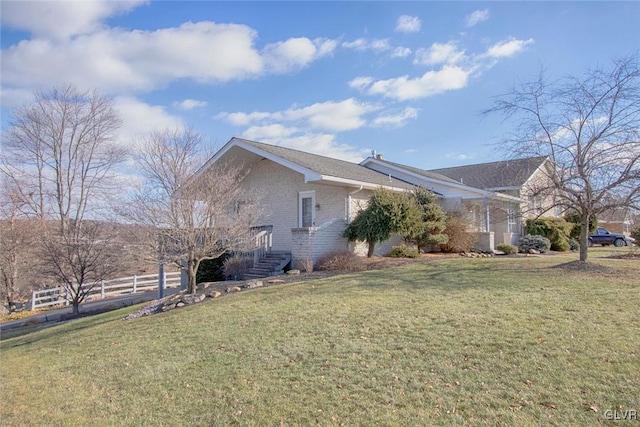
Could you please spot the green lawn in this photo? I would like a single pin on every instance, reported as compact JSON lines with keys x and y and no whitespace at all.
{"x":501,"y":341}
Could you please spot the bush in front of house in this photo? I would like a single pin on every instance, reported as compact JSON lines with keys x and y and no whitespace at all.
{"x":234,"y":267}
{"x":460,"y":239}
{"x":557,"y":230}
{"x":535,"y":242}
{"x":339,"y":261}
{"x":404,"y":251}
{"x":507,"y":249}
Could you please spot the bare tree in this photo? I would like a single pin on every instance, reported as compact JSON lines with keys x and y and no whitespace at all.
{"x":17,"y":238}
{"x":60,"y":153}
{"x":589,"y":127}
{"x":195,"y":214}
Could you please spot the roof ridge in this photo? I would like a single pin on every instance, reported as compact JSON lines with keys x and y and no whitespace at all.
{"x":489,"y":163}
{"x":298,"y":151}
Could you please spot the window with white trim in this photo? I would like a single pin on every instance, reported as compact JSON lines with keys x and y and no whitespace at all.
{"x":306,"y":208}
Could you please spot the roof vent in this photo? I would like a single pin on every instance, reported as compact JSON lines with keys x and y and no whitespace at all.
{"x":379,"y":156}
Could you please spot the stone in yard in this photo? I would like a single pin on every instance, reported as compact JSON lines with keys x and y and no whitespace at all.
{"x":254,"y":284}
{"x":192,"y":299}
{"x":275,"y":281}
{"x":533,"y":252}
{"x":212,"y":293}
{"x":233,"y":289}
{"x":291,"y":272}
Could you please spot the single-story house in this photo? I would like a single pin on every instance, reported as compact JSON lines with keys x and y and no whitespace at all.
{"x":310,"y":199}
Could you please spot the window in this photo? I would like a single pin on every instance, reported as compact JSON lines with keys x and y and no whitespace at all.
{"x":306,"y":209}
{"x":512,"y":220}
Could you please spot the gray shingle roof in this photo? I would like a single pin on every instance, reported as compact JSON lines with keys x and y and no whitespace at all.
{"x":422,"y":172}
{"x":503,"y":174}
{"x":329,"y":166}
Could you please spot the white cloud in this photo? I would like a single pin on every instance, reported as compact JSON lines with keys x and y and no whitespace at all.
{"x":62,"y":19}
{"x":361,"y":83}
{"x":408,"y":24}
{"x":476,"y":17}
{"x":190,"y":104}
{"x":295,"y":53}
{"x":268,"y":132}
{"x":118,"y":60}
{"x":459,"y":156}
{"x":326,"y":116}
{"x":400,"y":52}
{"x":398,"y":119}
{"x":139,"y":118}
{"x":507,"y":48}
{"x":140,"y":60}
{"x":457,"y":68}
{"x":361,"y":44}
{"x":242,"y":119}
{"x":439,"y":53}
{"x":429,"y":84}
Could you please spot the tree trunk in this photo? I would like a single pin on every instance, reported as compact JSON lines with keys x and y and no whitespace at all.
{"x":76,"y":306}
{"x":372,"y":246}
{"x":191,"y":276}
{"x":584,"y":236}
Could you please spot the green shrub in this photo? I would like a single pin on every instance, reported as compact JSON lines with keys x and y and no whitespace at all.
{"x":404,"y":251}
{"x":574,"y":218}
{"x":635,"y":233}
{"x":539,"y":243}
{"x":507,"y":249}
{"x":574,"y":244}
{"x":557,"y":230}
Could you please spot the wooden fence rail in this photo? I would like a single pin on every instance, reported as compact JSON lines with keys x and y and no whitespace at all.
{"x":104,"y":289}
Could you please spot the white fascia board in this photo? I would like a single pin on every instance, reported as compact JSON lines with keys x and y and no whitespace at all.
{"x":482,"y":193}
{"x":308,"y":174}
{"x":364,"y":185}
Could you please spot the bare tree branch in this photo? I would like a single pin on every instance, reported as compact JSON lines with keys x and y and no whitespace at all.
{"x":589,"y":127}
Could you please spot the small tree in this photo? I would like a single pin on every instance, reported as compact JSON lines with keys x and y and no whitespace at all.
{"x":191,"y":214}
{"x":433,"y":218}
{"x":385,"y":214}
{"x":589,"y":128}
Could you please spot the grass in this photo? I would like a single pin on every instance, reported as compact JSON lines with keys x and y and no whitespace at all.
{"x":501,"y":341}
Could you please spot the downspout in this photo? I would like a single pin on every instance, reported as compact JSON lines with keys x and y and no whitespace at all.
{"x":348,"y":218}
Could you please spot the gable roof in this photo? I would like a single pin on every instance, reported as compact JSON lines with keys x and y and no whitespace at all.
{"x":421,"y":172}
{"x":315,"y":167}
{"x":494,"y":175}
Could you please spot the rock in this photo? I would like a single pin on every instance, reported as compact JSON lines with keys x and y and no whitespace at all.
{"x":275,"y":281}
{"x":233,"y":289}
{"x":192,"y":298}
{"x":533,"y":252}
{"x":292,"y":272}
{"x":254,"y":284}
{"x":178,"y":305}
{"x":211,"y":293}
{"x":498,"y":253}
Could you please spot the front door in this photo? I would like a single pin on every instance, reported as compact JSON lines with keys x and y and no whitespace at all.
{"x":306,"y":209}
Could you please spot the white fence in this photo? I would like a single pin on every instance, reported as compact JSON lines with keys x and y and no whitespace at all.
{"x":105,"y":289}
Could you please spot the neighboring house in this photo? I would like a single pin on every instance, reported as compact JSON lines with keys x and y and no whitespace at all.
{"x":617,"y":221}
{"x":310,"y":199}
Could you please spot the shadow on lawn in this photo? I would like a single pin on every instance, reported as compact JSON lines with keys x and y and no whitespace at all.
{"x":43,"y":331}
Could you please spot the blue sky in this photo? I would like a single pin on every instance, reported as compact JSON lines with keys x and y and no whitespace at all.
{"x":408,"y":79}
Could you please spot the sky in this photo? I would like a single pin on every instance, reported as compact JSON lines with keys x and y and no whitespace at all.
{"x":406,"y":79}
